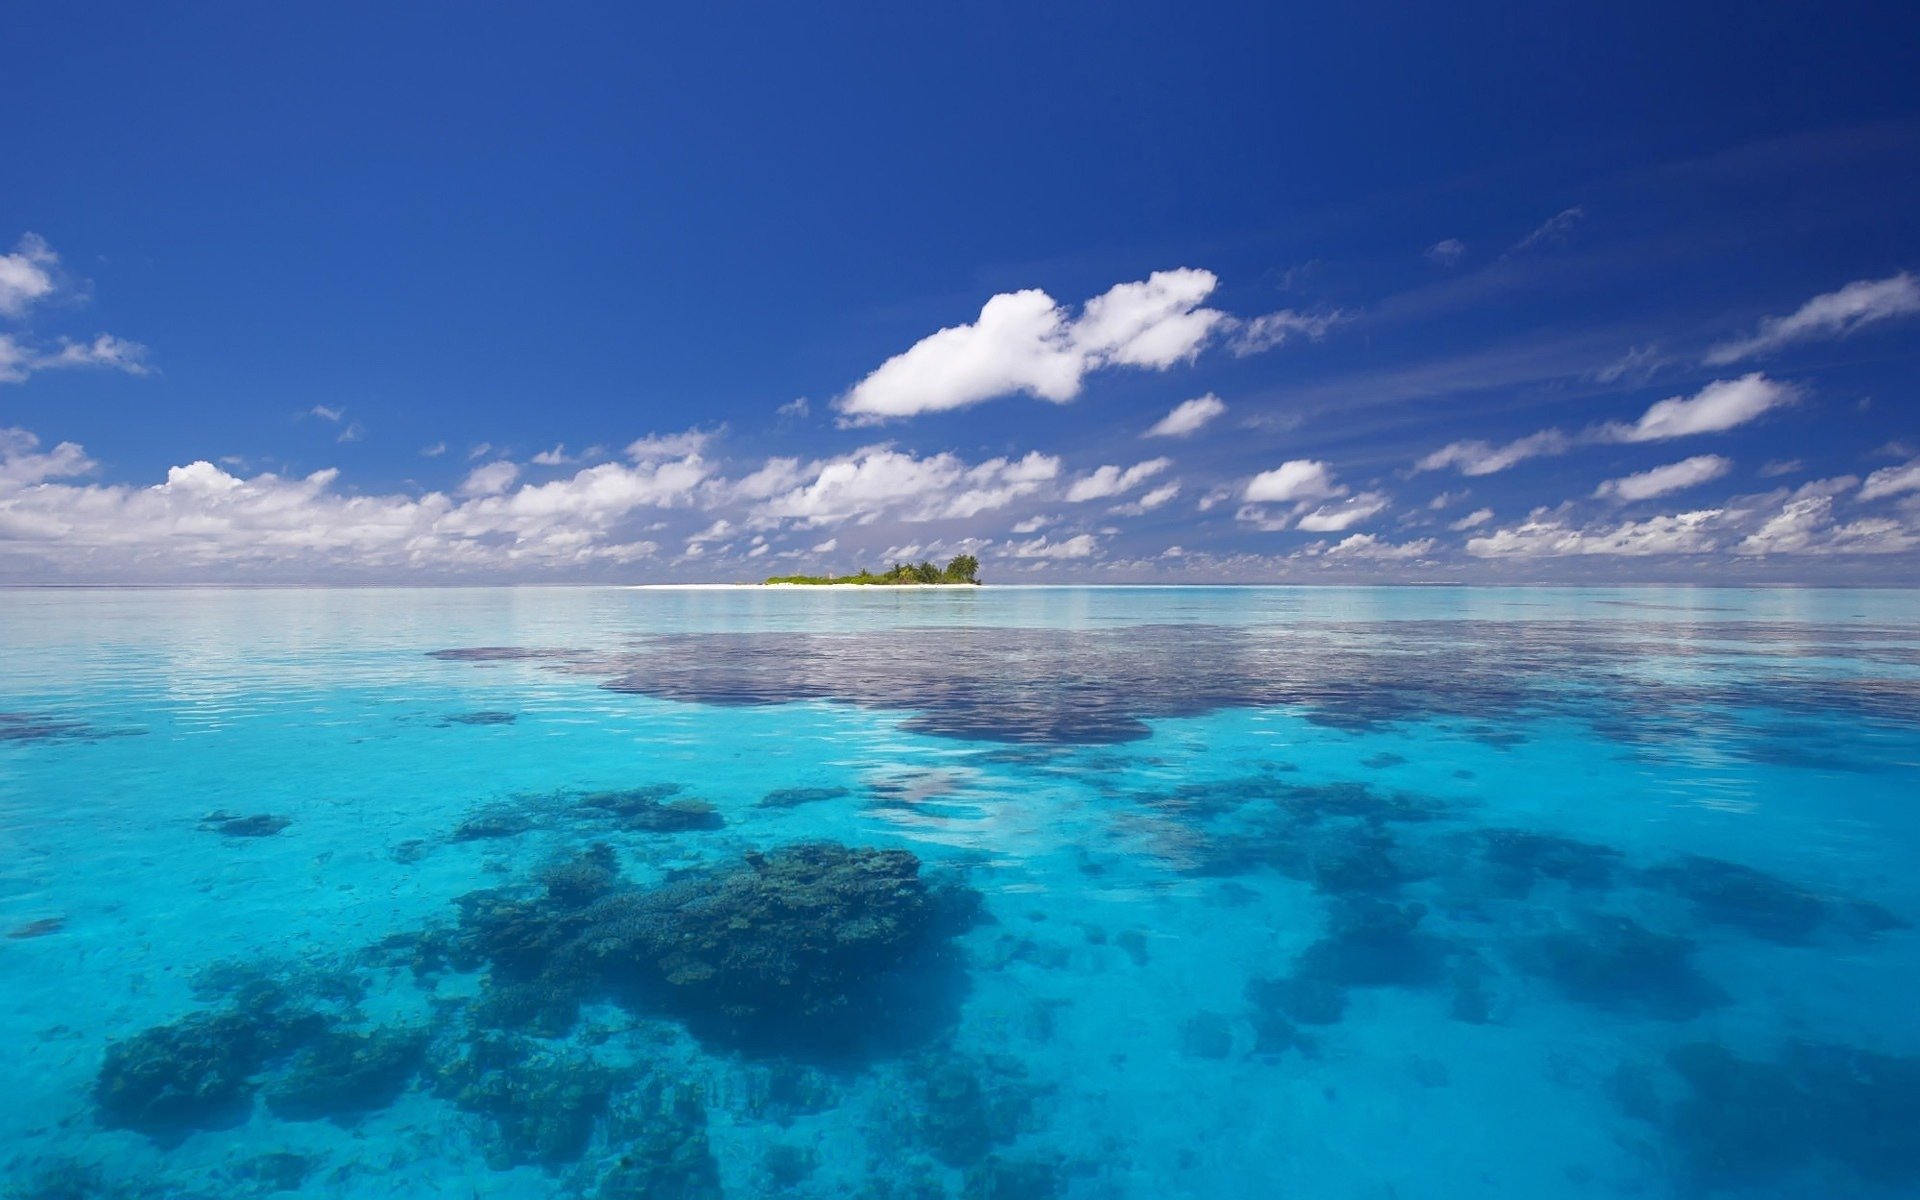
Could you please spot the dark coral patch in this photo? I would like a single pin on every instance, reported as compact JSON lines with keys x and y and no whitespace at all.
{"x":484,"y":717}
{"x":1741,"y":1122}
{"x":1725,"y":893}
{"x":339,"y":1076}
{"x":794,"y":797}
{"x":1616,"y":963}
{"x":233,"y":825}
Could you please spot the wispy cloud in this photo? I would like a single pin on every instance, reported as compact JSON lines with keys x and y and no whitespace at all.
{"x":1832,"y":315}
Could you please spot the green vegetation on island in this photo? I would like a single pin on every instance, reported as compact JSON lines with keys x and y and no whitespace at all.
{"x":962,"y":568}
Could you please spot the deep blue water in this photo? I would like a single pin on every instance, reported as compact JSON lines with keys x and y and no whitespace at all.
{"x":1115,"y":893}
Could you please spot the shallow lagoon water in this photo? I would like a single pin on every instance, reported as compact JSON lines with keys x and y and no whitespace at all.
{"x":1371,"y":893}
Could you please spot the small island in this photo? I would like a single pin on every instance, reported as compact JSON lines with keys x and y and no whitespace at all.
{"x":962,"y":569}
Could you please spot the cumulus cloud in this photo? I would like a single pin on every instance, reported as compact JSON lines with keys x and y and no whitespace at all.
{"x":880,"y":481}
{"x":657,"y":446}
{"x":1367,"y":546}
{"x":1831,"y":315}
{"x":1673,"y":477}
{"x":1188,"y":417}
{"x":1721,"y":405}
{"x":27,"y":275}
{"x":1446,"y":252}
{"x":19,"y":359}
{"x":203,"y":519}
{"x":1157,"y":498}
{"x":490,"y":480}
{"x":1296,"y":479}
{"x":1027,"y":342}
{"x":1806,"y":525}
{"x":1891,"y":481}
{"x":1341,"y":515}
{"x":1079,"y":546}
{"x":1114,"y":481}
{"x":1552,"y":537}
{"x":1475,"y":457}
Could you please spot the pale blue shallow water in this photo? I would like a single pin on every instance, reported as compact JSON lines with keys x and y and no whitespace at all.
{"x":1370,"y":893}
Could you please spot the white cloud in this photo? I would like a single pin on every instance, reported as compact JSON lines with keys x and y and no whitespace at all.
{"x":794,"y":409}
{"x":19,"y":359}
{"x":205,"y":522}
{"x":490,"y":480}
{"x":1805,"y":525}
{"x":1552,"y":537}
{"x":1034,"y":524}
{"x":1188,"y":416}
{"x":1553,"y":230}
{"x":880,"y":481}
{"x":826,"y":547}
{"x":1156,"y":498}
{"x":1475,"y":457}
{"x":1834,"y":314}
{"x":22,"y":464}
{"x":1891,"y":481}
{"x":1365,"y":545}
{"x":1079,"y":546}
{"x":1342,"y":515}
{"x":433,"y":451}
{"x":352,"y":433}
{"x":326,"y":413}
{"x":1673,"y":477}
{"x":1721,"y":405}
{"x":1261,"y":334}
{"x":479,"y":450}
{"x":1026,"y":342}
{"x":1113,"y":481}
{"x":1446,"y":251}
{"x":556,"y":457}
{"x":1473,"y":520}
{"x":656,"y":446}
{"x":1774,"y":468}
{"x":26,"y":275}
{"x":104,"y":351}
{"x":1296,"y":479}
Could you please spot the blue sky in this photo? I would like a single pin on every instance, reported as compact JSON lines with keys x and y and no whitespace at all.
{"x":1104,"y":292}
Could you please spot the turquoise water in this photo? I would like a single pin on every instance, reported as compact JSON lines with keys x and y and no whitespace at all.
{"x":1370,"y":893}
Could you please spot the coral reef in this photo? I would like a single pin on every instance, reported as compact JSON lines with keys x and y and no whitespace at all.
{"x":340,"y":1075}
{"x":196,"y":1073}
{"x":537,"y":1105}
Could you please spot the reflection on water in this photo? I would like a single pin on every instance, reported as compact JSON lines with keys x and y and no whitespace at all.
{"x":1013,"y":893}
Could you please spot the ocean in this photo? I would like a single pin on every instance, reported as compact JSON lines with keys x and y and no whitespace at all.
{"x":1114,"y":893}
